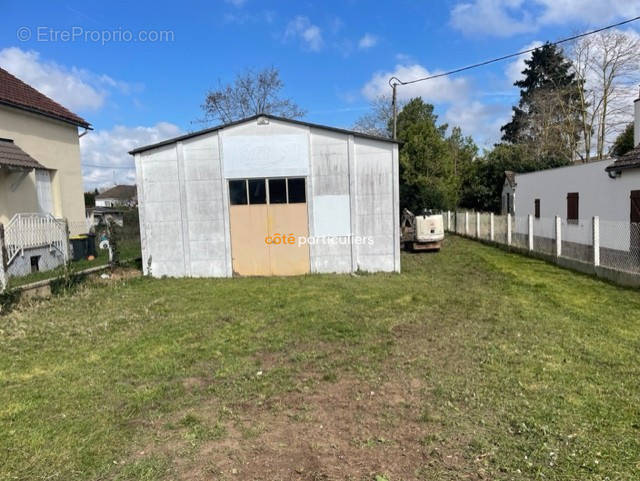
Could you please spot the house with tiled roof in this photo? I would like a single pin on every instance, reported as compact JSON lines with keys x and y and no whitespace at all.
{"x":118,"y":196}
{"x":40,"y":170}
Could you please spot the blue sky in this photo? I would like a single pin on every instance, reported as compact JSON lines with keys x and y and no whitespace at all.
{"x":334,"y":56}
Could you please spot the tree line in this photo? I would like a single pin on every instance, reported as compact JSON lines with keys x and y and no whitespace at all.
{"x":574,"y":106}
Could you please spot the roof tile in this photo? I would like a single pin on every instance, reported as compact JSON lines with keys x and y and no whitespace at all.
{"x":16,"y":93}
{"x":13,"y":156}
{"x":629,"y":160}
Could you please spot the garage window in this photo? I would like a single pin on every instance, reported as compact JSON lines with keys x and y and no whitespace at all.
{"x":296,"y":189}
{"x":280,"y":191}
{"x":536,"y":208}
{"x":257,"y":191}
{"x":277,"y":191}
{"x":238,"y":192}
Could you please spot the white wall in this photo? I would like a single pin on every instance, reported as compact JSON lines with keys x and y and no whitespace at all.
{"x":376,"y":210}
{"x":352,"y":189}
{"x":331,"y":205}
{"x":599,"y":195}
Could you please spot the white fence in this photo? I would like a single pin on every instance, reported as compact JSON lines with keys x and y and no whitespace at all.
{"x":602,"y":243}
{"x":27,"y":231}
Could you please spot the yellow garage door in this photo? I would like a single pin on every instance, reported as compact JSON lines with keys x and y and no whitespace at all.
{"x":269,"y":226}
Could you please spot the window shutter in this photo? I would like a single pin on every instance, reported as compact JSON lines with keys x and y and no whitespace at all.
{"x":572,"y":207}
{"x":635,"y":206}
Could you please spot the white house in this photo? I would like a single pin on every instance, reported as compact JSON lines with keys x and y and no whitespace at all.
{"x":118,"y":196}
{"x":607,"y":189}
{"x":268,"y":196}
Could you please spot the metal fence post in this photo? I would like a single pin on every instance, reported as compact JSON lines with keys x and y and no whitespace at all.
{"x":491,"y":227}
{"x":558,"y":236}
{"x":466,"y":223}
{"x":596,"y":241}
{"x":530,"y":231}
{"x":508,"y":229}
{"x":3,"y":261}
{"x":477,"y":225}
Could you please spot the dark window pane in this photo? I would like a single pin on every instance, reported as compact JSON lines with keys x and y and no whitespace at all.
{"x":257,"y":191}
{"x":238,"y":192}
{"x":296,"y":191}
{"x":277,"y":191}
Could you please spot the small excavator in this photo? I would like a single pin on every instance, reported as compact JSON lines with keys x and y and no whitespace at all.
{"x":423,"y":232}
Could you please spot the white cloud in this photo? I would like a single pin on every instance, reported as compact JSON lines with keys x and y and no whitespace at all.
{"x":501,"y":18}
{"x":504,"y":18}
{"x":451,"y":95}
{"x":589,"y":11}
{"x":237,"y":3}
{"x":514,"y":69}
{"x":443,"y":89}
{"x":481,"y":121}
{"x":74,"y":88}
{"x":367,"y":41}
{"x":108,"y":149}
{"x":302,"y":28}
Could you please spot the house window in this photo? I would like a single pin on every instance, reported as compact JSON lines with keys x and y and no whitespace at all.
{"x":572,"y":207}
{"x":507,"y":203}
{"x":35,"y":263}
{"x":43,"y":191}
{"x":536,"y":208}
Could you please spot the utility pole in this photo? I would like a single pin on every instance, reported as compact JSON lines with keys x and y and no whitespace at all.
{"x":394,"y":82}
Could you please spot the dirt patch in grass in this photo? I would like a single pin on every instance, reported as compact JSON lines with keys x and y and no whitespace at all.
{"x":343,"y":430}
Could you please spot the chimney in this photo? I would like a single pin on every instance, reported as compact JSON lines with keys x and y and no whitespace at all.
{"x":636,"y":122}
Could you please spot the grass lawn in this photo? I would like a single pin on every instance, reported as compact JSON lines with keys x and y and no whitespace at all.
{"x":471,"y":364}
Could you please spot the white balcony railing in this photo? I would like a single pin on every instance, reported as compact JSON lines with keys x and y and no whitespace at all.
{"x":28,"y":231}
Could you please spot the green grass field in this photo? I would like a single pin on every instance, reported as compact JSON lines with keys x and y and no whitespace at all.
{"x":471,"y":364}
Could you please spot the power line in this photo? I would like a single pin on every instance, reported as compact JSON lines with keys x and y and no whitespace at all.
{"x":108,"y":166}
{"x":511,"y":55}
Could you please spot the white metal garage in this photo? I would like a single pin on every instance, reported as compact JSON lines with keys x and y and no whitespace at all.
{"x":268,"y":196}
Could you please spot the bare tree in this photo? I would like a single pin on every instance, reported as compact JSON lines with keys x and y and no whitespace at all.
{"x":378,"y":120}
{"x":554,"y":129}
{"x":607,"y":65}
{"x":250,"y":94}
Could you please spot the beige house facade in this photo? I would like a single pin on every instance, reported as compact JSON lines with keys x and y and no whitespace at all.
{"x":40,"y":168}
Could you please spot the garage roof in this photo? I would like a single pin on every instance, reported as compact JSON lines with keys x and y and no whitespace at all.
{"x":254,"y":117}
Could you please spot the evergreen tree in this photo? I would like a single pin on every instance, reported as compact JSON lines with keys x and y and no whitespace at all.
{"x":431,"y":164}
{"x":623,"y":143}
{"x":547,"y":117}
